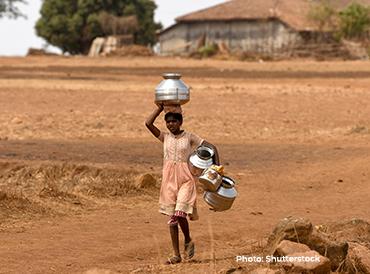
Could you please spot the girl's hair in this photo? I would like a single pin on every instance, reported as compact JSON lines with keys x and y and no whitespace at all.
{"x":174,"y":115}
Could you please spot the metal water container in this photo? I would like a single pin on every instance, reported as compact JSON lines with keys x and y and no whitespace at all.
{"x":200,"y":160}
{"x":210,"y":180}
{"x":172,"y":90}
{"x":224,"y":197}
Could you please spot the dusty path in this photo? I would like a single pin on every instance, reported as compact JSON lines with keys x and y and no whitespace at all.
{"x":274,"y":181}
{"x":294,"y":135}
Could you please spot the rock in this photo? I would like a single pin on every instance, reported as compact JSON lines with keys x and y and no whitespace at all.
{"x":301,"y":230}
{"x":16,"y":120}
{"x":266,"y":271}
{"x":290,"y":228}
{"x":307,"y":262}
{"x":3,"y":195}
{"x":354,"y":230}
{"x":235,"y":270}
{"x":145,"y":181}
{"x":288,"y":247}
{"x":98,"y":125}
{"x":99,"y":271}
{"x":138,"y":270}
{"x":336,"y":251}
{"x":358,"y":259}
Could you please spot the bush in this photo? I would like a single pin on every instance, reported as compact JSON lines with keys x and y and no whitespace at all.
{"x":354,"y":21}
{"x":208,"y":50}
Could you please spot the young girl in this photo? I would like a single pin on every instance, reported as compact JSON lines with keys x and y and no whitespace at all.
{"x":178,"y":189}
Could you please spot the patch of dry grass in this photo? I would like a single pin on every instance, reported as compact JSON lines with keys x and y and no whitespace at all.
{"x":26,"y":189}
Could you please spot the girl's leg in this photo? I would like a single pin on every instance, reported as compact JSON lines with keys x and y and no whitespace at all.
{"x":189,"y":244}
{"x":183,"y":222}
{"x":174,"y":231}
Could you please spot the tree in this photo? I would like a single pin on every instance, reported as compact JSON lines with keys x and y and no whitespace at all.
{"x":8,"y":8}
{"x":324,"y":15}
{"x":118,"y":25}
{"x":354,"y":21}
{"x":72,"y":25}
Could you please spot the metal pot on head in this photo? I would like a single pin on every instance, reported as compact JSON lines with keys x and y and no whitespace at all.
{"x":224,"y":197}
{"x":172,"y":90}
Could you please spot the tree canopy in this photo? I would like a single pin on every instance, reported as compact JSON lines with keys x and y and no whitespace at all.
{"x":72,"y":25}
{"x":8,"y":8}
{"x":324,"y":15}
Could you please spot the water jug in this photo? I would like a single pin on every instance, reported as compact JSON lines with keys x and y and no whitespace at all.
{"x":172,"y":90}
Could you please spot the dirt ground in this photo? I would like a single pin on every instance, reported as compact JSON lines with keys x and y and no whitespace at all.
{"x":294,"y":135}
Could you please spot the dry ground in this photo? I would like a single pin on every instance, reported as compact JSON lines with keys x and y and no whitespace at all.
{"x":295,"y":136}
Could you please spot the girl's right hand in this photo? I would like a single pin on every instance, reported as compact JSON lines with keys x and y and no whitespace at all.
{"x":160,"y":106}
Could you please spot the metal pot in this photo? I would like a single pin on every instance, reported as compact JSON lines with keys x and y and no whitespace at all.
{"x":224,"y":197}
{"x":200,"y":160}
{"x":172,"y":90}
{"x":210,"y":180}
{"x":205,"y":153}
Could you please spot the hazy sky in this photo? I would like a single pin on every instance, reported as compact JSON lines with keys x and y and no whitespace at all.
{"x":19,"y":35}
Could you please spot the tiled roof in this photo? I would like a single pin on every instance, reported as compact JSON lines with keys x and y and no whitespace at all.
{"x":295,"y":13}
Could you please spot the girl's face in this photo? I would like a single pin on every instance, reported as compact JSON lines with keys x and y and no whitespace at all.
{"x":173,"y":125}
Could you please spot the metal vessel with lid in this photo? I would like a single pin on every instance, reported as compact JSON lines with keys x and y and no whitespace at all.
{"x":210,"y":179}
{"x":224,"y":197}
{"x":200,"y":160}
{"x":172,"y":90}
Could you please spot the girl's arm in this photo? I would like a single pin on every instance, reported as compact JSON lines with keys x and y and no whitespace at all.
{"x":216,"y":158}
{"x":150,"y":121}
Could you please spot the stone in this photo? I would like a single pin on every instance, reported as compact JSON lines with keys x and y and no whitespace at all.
{"x":17,"y":120}
{"x":266,"y":271}
{"x":99,"y":271}
{"x":354,"y":230}
{"x":295,"y":263}
{"x":336,"y":251}
{"x":290,"y":228}
{"x":358,"y":259}
{"x":286,"y":247}
{"x":145,"y":181}
{"x":235,"y":270}
{"x":301,"y":230}
{"x":3,"y":195}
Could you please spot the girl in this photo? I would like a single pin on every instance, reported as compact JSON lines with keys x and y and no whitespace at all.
{"x":178,"y":189}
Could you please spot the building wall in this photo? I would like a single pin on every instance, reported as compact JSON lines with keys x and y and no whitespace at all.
{"x":263,"y":36}
{"x":174,"y":41}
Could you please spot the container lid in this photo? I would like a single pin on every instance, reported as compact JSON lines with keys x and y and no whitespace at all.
{"x":171,"y":75}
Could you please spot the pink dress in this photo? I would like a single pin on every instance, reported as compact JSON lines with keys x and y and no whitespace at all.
{"x":178,"y":189}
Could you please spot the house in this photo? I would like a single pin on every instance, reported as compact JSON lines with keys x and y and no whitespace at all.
{"x":267,"y":27}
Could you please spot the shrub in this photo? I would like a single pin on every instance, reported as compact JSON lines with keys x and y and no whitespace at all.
{"x":208,"y":50}
{"x":354,"y":21}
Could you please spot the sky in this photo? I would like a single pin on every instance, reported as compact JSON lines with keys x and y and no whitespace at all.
{"x":17,"y":36}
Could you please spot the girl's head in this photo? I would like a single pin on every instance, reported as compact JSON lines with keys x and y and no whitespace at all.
{"x":173,"y":122}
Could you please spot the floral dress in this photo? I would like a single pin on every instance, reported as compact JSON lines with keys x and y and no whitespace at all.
{"x":178,"y":189}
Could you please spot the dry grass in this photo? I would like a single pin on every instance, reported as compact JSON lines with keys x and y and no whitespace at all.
{"x":30,"y":189}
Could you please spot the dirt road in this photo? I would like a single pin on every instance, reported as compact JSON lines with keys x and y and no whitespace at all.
{"x":294,"y":135}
